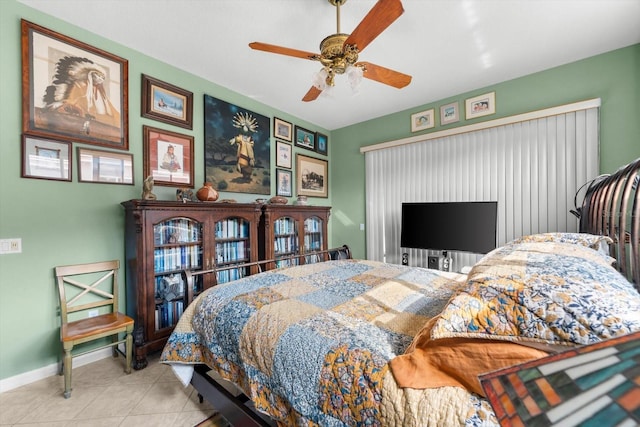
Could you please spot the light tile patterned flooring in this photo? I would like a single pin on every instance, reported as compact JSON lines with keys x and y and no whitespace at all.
{"x":103,"y":395}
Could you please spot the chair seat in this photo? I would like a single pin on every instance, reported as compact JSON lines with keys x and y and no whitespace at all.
{"x":84,"y":328}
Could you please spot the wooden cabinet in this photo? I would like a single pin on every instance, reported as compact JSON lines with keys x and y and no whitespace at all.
{"x":287,"y":230}
{"x":162,"y":238}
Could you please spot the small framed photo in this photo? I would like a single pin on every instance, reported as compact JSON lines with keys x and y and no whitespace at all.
{"x":479,"y":106}
{"x":45,"y":158}
{"x":282,"y":129}
{"x":284,"y":183}
{"x":283,"y":155}
{"x":312,"y":176}
{"x":305,"y":138}
{"x":449,"y":113}
{"x":168,"y":157}
{"x":166,"y":103}
{"x":106,"y":167}
{"x":422,"y":120}
{"x":322,"y":144}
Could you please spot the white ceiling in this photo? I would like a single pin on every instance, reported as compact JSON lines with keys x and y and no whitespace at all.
{"x":448,"y":46}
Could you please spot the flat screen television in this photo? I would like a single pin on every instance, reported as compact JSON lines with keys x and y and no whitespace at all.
{"x":450,"y":226}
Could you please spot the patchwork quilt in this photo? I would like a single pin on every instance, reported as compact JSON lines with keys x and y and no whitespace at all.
{"x":310,"y":345}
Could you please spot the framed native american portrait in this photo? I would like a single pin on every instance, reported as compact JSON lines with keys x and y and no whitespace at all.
{"x":168,"y":157}
{"x":72,"y":90}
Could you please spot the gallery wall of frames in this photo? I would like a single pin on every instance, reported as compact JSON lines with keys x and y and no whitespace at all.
{"x":65,"y":109}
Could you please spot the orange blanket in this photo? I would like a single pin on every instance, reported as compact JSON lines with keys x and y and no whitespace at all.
{"x":457,"y":362}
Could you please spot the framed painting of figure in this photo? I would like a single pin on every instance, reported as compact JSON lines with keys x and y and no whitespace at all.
{"x":237,"y":148}
{"x":72,"y":90}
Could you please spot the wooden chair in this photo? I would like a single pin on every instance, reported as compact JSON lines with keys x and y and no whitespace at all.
{"x":89,"y":298}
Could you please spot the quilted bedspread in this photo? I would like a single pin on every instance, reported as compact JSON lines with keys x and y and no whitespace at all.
{"x":310,"y":345}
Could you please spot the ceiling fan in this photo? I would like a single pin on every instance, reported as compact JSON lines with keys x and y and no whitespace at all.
{"x":339,"y":51}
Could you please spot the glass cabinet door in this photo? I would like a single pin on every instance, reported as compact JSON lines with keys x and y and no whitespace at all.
{"x":312,"y":237}
{"x":232,"y":247}
{"x":177,"y":246}
{"x":285,"y":241}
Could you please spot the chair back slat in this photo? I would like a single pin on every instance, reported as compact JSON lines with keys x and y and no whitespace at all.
{"x":86,"y":278}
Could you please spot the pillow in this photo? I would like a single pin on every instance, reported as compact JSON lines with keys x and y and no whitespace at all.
{"x":542,"y":293}
{"x":593,"y":241}
{"x":429,"y":363}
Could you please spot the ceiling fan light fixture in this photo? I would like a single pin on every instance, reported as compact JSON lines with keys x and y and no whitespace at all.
{"x":320,"y":79}
{"x":354,"y":75}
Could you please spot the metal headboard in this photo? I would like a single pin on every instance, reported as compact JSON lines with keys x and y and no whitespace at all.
{"x":611,"y":207}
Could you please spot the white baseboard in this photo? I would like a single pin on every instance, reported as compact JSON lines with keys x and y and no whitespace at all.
{"x":51,"y":370}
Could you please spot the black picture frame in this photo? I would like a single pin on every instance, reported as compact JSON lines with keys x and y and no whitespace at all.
{"x":322,"y":144}
{"x":305,"y":138}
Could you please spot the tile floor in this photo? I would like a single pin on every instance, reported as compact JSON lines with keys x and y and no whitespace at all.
{"x":103,"y":395}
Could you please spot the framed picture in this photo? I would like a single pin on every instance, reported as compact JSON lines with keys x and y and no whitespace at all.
{"x":105,"y":167}
{"x":45,"y":158}
{"x":312,"y":177}
{"x":72,"y":90}
{"x":284,"y":183}
{"x":479,"y":106}
{"x":305,"y":138}
{"x":166,"y":103}
{"x":168,"y":157}
{"x":237,"y":148}
{"x":283,"y":155}
{"x":322,"y":144}
{"x":449,"y":113}
{"x":422,"y":120}
{"x":282,"y":130}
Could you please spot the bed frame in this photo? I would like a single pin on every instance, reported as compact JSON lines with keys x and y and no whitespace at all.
{"x":611,"y":207}
{"x":234,"y":406}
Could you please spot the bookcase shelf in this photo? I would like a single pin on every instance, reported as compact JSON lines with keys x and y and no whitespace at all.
{"x":163,"y":238}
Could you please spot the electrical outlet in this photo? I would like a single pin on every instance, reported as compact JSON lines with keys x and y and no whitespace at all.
{"x":93,"y":313}
{"x":10,"y":246}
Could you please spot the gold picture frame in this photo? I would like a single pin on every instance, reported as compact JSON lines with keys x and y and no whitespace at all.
{"x":423,"y":120}
{"x":482,"y":105}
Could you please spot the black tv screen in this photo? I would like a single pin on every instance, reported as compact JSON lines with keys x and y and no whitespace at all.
{"x":450,"y":226}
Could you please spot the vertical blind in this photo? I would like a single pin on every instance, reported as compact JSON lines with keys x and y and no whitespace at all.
{"x":532,"y":168}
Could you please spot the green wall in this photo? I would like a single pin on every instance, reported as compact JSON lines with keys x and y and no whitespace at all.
{"x":63,"y":223}
{"x":71,"y":222}
{"x":614,"y":77}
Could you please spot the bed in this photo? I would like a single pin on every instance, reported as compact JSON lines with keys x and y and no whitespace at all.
{"x":359,"y":342}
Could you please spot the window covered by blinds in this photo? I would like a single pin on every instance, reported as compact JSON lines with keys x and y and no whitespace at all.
{"x":531,"y":164}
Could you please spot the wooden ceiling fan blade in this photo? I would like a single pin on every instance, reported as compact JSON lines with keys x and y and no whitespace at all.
{"x":283,"y":50}
{"x":377,"y":20}
{"x":312,"y":94}
{"x":384,"y":75}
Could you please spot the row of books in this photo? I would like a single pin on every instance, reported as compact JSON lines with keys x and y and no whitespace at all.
{"x":313,"y":242}
{"x":285,"y":244}
{"x":312,"y":225}
{"x":177,"y":230}
{"x":233,"y":228}
{"x":231,"y":251}
{"x":168,"y":313}
{"x":230,"y":275}
{"x":177,"y":258}
{"x":284,"y":226}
